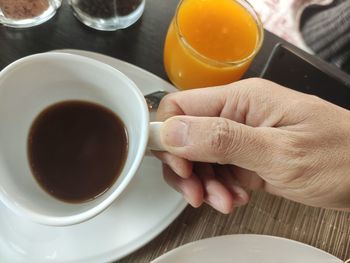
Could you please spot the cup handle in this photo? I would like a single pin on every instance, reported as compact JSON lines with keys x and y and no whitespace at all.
{"x":154,"y":142}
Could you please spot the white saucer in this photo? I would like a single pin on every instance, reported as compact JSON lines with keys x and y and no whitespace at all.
{"x":146,"y":208}
{"x":246,"y":249}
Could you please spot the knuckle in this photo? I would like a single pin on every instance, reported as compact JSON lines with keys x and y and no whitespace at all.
{"x":255,"y":80}
{"x":258,"y":88}
{"x":259,"y":82}
{"x":167,"y":107}
{"x":222,"y":137}
{"x":166,"y":100}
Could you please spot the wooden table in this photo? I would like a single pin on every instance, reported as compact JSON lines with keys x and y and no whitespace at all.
{"x":142,"y":45}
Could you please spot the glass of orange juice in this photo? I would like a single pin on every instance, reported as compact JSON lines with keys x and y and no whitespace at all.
{"x":211,"y":42}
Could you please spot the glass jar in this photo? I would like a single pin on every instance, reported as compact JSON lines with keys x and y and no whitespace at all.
{"x":211,"y":42}
{"x":27,"y":13}
{"x":108,"y":15}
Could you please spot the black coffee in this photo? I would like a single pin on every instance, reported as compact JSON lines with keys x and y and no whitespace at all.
{"x":77,"y":150}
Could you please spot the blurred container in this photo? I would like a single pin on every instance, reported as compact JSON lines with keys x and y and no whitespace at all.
{"x":108,"y":15}
{"x":27,"y":13}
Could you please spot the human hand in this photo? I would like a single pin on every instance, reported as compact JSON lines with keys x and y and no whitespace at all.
{"x":223,"y":142}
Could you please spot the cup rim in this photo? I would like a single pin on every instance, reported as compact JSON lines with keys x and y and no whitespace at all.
{"x":249,"y":8}
{"x":79,"y":217}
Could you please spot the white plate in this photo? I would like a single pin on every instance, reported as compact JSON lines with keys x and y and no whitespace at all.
{"x":146,"y":208}
{"x":246,"y":249}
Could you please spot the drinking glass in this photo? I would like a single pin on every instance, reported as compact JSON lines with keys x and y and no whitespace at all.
{"x":108,"y":15}
{"x":211,"y":42}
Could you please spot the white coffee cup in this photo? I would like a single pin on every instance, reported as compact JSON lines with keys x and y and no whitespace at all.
{"x":31,"y":84}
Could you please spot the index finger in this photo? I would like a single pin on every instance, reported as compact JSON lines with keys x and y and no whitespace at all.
{"x":196,"y":102}
{"x":254,"y":102}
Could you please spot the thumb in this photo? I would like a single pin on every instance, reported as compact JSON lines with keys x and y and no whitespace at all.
{"x":219,"y":140}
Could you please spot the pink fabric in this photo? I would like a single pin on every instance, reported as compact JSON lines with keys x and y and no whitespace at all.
{"x":282,"y":17}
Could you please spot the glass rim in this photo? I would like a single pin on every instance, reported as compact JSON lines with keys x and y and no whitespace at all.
{"x":249,"y":8}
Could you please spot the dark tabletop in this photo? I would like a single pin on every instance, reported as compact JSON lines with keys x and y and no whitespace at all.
{"x":142,"y":45}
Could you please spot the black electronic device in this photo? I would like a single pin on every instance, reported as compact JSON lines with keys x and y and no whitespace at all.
{"x":295,"y":69}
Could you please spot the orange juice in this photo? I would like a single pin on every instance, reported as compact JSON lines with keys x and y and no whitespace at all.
{"x":211,"y":42}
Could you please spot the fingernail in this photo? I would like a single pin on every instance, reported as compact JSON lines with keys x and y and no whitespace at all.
{"x":241,"y":197}
{"x":240,"y":201}
{"x":190,"y":202}
{"x":216,"y":202}
{"x":174,"y":132}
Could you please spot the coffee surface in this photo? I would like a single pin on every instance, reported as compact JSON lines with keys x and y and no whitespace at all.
{"x":77,"y":150}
